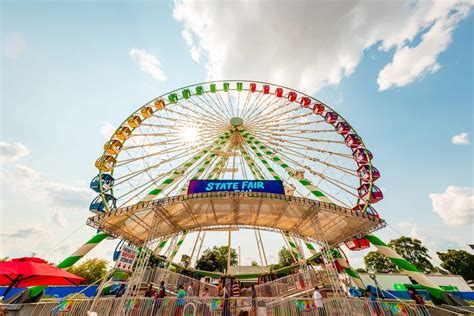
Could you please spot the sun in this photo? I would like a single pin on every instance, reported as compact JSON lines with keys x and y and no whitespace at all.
{"x":189,"y":134}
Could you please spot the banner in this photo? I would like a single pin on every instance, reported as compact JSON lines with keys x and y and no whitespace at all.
{"x":266,"y":186}
{"x":126,"y":258}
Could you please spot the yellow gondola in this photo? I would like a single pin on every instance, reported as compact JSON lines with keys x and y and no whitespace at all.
{"x":105,"y":163}
{"x":147,"y":111}
{"x":159,"y":104}
{"x":123,"y":133}
{"x":113,"y":147}
{"x":134,"y":121}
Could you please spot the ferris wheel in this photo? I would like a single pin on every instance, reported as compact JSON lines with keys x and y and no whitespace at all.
{"x":235,"y":130}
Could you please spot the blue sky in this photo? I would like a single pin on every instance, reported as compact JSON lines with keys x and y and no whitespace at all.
{"x":402,"y":76}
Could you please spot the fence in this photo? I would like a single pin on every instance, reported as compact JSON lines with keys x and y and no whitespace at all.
{"x":174,"y":280}
{"x":291,"y":284}
{"x":208,"y":306}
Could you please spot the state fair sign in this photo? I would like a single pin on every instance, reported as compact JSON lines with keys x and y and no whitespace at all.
{"x":126,"y":259}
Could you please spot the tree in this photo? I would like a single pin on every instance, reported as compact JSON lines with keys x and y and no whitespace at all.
{"x":284,"y":257}
{"x":185,"y":260}
{"x":254,"y":263}
{"x":92,"y":270}
{"x":377,"y":262}
{"x":458,"y":262}
{"x":215,"y":259}
{"x":412,"y":250}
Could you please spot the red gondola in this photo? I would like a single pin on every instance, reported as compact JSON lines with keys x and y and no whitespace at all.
{"x":253,"y":87}
{"x":318,"y":109}
{"x":266,"y":89}
{"x":331,"y":117}
{"x":343,"y":128}
{"x":292,"y":96}
{"x":364,"y":172}
{"x":358,"y":244}
{"x":368,"y":210}
{"x":305,"y":102}
{"x":362,"y":155}
{"x":352,"y":140}
{"x":372,"y":197}
{"x":279,"y":92}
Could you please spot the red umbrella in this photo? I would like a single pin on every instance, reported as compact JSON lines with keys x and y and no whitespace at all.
{"x":30,"y":271}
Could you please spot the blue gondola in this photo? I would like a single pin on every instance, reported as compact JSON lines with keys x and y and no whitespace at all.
{"x":107,"y":182}
{"x":117,"y":250}
{"x":98,"y":206}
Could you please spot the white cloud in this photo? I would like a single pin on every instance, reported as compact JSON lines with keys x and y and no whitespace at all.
{"x":415,"y":231}
{"x":25,"y":232}
{"x":12,"y":151}
{"x":14,"y":45}
{"x":461,"y":139}
{"x":148,"y":63}
{"x":410,"y":63}
{"x":455,"y":206}
{"x":310,"y":44}
{"x":107,"y":130}
{"x":58,"y":218}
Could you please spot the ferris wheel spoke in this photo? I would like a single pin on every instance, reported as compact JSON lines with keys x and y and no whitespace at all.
{"x":324,"y":177}
{"x":213,"y":100}
{"x":284,"y":144}
{"x":260,"y":111}
{"x":257,"y":106}
{"x":206,"y":115}
{"x":193,"y":119}
{"x":216,"y":112}
{"x":277,"y":117}
{"x":308,"y":158}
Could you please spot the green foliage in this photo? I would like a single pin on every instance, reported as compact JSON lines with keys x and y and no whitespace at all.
{"x":376,"y":262}
{"x":360,"y":270}
{"x":284,"y":259}
{"x":92,"y":270}
{"x":458,"y":262}
{"x":412,"y":250}
{"x":215,"y":259}
{"x":254,"y":263}
{"x":185,"y":261}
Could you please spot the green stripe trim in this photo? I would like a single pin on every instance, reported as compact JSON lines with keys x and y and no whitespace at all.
{"x":97,"y":239}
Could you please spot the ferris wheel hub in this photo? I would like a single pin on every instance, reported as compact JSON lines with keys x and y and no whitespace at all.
{"x":236,"y":121}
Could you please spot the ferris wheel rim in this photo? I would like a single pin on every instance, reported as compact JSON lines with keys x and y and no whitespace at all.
{"x":167,"y":103}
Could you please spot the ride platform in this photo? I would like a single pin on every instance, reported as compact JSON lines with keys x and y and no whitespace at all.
{"x":299,"y":216}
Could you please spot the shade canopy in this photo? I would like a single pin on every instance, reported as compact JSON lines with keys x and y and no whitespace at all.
{"x":30,"y":271}
{"x":300,"y":216}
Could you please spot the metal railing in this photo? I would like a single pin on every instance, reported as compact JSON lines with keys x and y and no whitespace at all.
{"x":173,"y":280}
{"x":214,"y":306}
{"x":291,"y":284}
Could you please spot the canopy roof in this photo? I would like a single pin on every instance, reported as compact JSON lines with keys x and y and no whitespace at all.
{"x":299,"y":216}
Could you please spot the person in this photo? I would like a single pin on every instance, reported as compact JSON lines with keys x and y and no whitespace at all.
{"x":236,"y":289}
{"x":219,"y":288}
{"x":162,"y":291}
{"x":318,"y":300}
{"x":226,"y":295}
{"x":189,"y":290}
{"x":373,"y":301}
{"x":418,"y":300}
{"x":149,"y":291}
{"x":180,"y":303}
{"x":254,"y":299}
{"x":205,"y":295}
